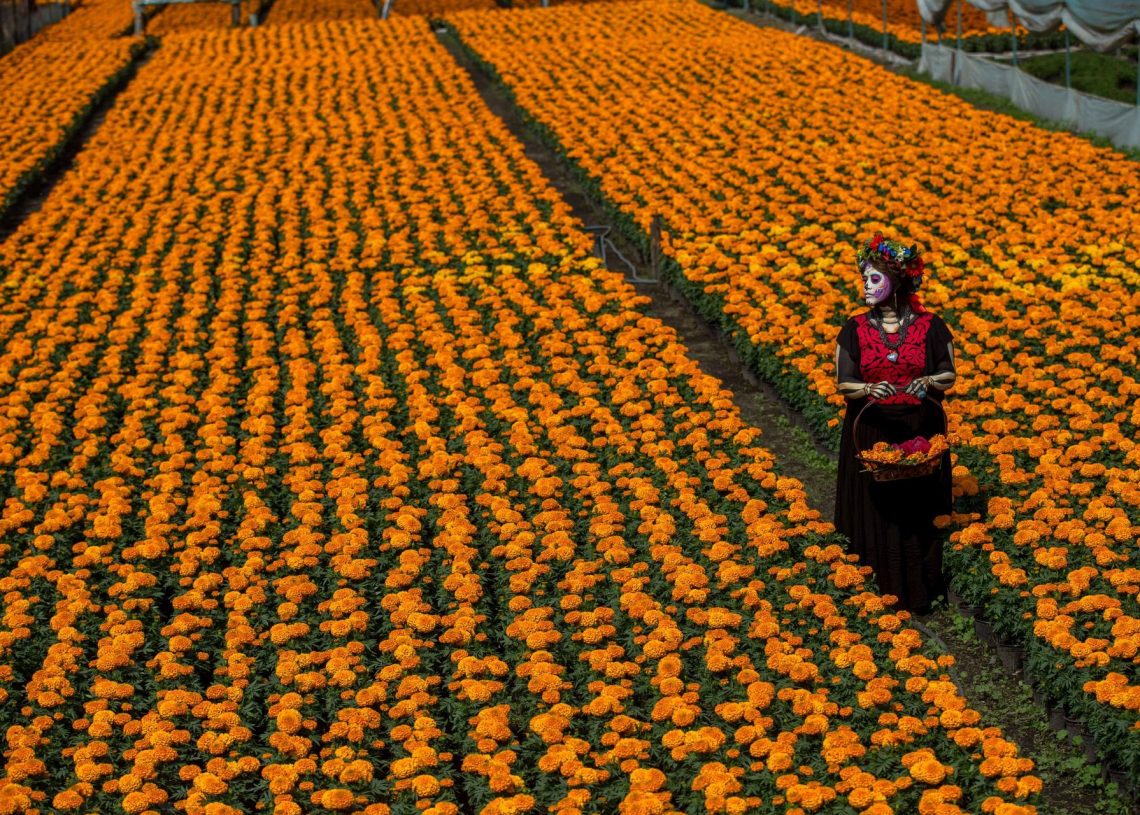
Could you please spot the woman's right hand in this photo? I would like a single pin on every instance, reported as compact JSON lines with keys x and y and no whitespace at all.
{"x":881,"y":390}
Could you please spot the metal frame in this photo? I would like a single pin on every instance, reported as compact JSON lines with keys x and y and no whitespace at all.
{"x":140,"y":5}
{"x":603,"y":245}
{"x":385,"y":6}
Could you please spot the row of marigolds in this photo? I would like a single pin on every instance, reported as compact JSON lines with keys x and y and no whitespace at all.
{"x":903,"y":22}
{"x":287,"y":12}
{"x":963,"y":26}
{"x":343,"y":479}
{"x":769,"y":157}
{"x":50,"y":85}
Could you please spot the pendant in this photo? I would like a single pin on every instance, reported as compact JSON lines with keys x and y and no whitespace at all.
{"x":893,"y":356}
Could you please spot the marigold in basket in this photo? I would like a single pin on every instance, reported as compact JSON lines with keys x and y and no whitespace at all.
{"x":913,"y":452}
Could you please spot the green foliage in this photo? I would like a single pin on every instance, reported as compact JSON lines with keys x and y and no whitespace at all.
{"x":1105,"y":75}
{"x":806,"y":451}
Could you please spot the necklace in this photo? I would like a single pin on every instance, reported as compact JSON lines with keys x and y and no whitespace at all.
{"x":893,"y":347}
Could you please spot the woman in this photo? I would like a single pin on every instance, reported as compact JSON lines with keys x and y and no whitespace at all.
{"x":892,"y":360}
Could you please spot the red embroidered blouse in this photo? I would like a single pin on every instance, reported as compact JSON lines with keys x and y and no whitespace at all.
{"x":873,"y":356}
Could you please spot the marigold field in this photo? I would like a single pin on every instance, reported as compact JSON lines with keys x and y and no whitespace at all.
{"x":338,"y":475}
{"x":765,"y":177}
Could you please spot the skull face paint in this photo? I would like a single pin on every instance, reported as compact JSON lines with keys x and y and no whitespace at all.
{"x":876,"y":285}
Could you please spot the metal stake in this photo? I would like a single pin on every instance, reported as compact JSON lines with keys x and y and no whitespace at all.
{"x":884,"y":25}
{"x":1013,"y":35}
{"x":850,"y":22}
{"x":655,"y":246}
{"x":1069,"y":63}
{"x":819,"y":14}
{"x":958,"y":61}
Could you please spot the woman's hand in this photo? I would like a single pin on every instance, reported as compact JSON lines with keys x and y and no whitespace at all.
{"x":880,"y":390}
{"x":861,"y":390}
{"x":918,"y":387}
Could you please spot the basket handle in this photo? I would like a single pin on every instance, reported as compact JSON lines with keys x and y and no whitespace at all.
{"x":872,"y":402}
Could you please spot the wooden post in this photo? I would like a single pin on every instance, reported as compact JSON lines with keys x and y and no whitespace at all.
{"x":138,"y":18}
{"x":655,"y":246}
{"x":819,"y":14}
{"x":850,"y":21}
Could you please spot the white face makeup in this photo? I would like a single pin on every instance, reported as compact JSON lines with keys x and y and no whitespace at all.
{"x":876,"y":285}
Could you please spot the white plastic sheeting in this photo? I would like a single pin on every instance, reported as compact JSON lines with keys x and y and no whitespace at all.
{"x":1099,"y":24}
{"x":1117,"y":122}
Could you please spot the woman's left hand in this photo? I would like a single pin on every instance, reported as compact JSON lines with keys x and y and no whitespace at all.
{"x":918,"y":387}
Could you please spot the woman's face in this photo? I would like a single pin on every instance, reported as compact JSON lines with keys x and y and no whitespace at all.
{"x":876,"y":285}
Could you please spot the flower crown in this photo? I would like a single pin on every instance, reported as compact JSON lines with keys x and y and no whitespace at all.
{"x":893,"y":257}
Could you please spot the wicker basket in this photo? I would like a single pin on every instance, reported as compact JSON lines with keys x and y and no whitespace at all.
{"x":881,"y":471}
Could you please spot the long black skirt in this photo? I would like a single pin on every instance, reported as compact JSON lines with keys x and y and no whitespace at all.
{"x":890,"y":524}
